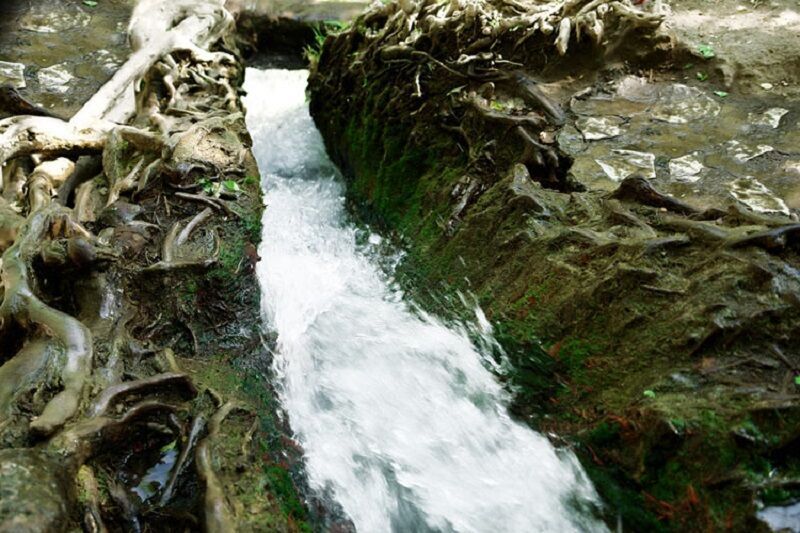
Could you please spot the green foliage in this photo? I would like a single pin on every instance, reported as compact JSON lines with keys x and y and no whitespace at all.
{"x":707,"y":51}
{"x":231,"y":186}
{"x":314,"y":50}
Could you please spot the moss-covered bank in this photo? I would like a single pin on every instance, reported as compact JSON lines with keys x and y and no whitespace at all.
{"x":658,"y":339}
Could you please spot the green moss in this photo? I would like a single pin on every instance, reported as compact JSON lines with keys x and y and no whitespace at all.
{"x":623,"y":502}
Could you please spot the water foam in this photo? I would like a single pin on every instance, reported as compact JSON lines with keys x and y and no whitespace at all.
{"x":397,"y":413}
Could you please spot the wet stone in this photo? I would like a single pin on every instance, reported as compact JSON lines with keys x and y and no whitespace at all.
{"x":623,"y":163}
{"x":525,"y":192}
{"x":44,"y":19}
{"x":596,"y":128}
{"x":755,"y":195}
{"x":570,"y":140}
{"x":681,"y":104}
{"x":687,"y":169}
{"x":770,"y":118}
{"x":55,"y":79}
{"x":745,"y":152}
{"x":12,"y":74}
{"x":32,"y":492}
{"x":674,"y":103}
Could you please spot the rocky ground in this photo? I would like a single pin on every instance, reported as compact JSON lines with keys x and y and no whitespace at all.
{"x":626,"y":214}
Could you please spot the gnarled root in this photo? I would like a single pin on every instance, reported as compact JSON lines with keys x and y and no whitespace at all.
{"x":219,"y":518}
{"x":171,"y":256}
{"x":639,"y":189}
{"x":172,"y":383}
{"x":92,"y":518}
{"x":21,"y":305}
{"x":46,"y":179}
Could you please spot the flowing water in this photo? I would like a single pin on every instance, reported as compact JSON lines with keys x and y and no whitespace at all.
{"x":400,"y":420}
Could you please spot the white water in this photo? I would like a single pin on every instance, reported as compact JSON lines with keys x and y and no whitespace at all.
{"x":398,"y":417}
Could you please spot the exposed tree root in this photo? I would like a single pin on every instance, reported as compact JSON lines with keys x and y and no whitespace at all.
{"x":22,"y":306}
{"x":218,"y":514}
{"x":52,"y":267}
{"x":176,"y":384}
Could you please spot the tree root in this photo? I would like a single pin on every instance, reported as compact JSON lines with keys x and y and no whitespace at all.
{"x":218,"y":516}
{"x":86,"y":168}
{"x":173,"y":383}
{"x":58,"y":349}
{"x":170,"y":249}
{"x":216,"y":203}
{"x":86,"y":438}
{"x":21,"y":305}
{"x":774,"y":239}
{"x":198,"y":425}
{"x":640,"y":190}
{"x":47,"y":178}
{"x":92,"y":518}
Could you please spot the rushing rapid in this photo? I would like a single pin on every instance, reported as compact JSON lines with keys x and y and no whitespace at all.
{"x":400,"y":420}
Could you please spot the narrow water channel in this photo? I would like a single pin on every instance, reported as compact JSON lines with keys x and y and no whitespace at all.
{"x":399,"y":418}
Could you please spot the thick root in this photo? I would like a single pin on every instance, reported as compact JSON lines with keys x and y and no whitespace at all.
{"x":23,"y":306}
{"x":173,"y":383}
{"x":218,"y":515}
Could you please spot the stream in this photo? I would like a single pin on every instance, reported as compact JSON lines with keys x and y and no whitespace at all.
{"x":401,"y":421}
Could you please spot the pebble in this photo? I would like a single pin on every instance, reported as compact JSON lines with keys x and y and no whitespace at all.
{"x":12,"y":74}
{"x":55,"y":79}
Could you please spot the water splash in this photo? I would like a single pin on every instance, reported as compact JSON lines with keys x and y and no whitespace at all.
{"x":397,"y":413}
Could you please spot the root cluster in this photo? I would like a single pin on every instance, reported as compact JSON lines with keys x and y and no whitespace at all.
{"x":68,"y":205}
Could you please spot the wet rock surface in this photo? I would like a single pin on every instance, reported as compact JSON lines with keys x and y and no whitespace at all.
{"x":68,"y":49}
{"x":693,"y":143}
{"x":32,"y":489}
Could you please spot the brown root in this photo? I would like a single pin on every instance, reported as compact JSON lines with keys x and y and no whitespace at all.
{"x":198,"y":425}
{"x":47,"y":178}
{"x":218,"y":515}
{"x":175,"y":384}
{"x":171,"y":256}
{"x":21,"y":305}
{"x":640,"y":190}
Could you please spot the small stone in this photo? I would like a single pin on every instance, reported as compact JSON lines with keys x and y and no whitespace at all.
{"x":596,"y":128}
{"x":767,"y":86}
{"x":770,"y":118}
{"x":12,"y":74}
{"x":742,"y":152}
{"x":623,"y":163}
{"x":547,"y":137}
{"x":687,"y":168}
{"x":55,"y":79}
{"x":755,"y":195}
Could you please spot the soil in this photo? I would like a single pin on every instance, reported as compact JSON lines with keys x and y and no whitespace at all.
{"x":755,"y":42}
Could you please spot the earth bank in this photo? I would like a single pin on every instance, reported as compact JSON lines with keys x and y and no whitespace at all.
{"x":649,"y":322}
